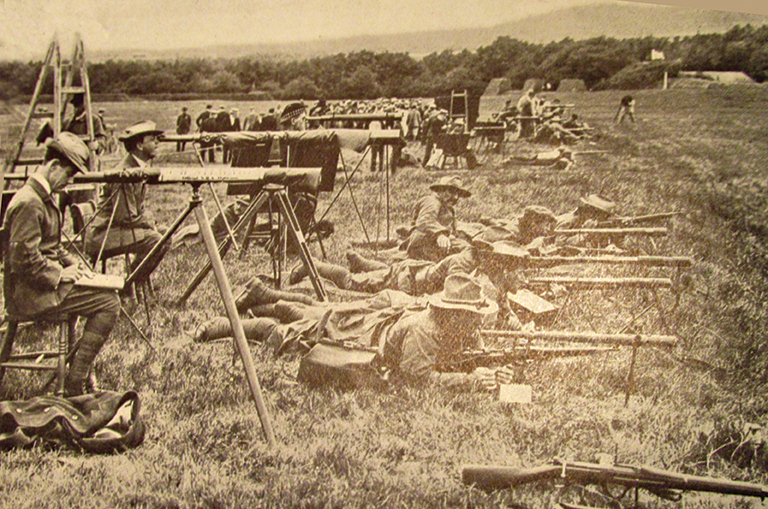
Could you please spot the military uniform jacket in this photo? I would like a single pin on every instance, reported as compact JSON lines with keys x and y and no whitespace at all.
{"x":131,"y":222}
{"x":34,"y":256}
{"x":431,"y":218}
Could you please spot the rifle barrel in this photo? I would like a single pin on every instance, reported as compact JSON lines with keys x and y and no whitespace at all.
{"x":650,"y":232}
{"x":585,"y":337}
{"x":648,"y":261}
{"x":590,"y":283}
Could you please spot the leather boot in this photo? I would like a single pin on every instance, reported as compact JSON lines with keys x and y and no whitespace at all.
{"x":337,"y":274}
{"x":288,"y":312}
{"x":298,"y":273}
{"x":258,"y":293}
{"x":358,"y":263}
{"x":90,"y":345}
{"x":255,"y":329}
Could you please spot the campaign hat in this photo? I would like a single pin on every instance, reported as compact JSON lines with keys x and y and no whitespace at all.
{"x":453,"y":184}
{"x":600,"y":203}
{"x":72,"y":148}
{"x":537,"y":212}
{"x":144,"y":127}
{"x":461,"y":291}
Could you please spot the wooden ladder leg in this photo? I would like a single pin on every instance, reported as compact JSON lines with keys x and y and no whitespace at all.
{"x":7,"y":347}
{"x":61,"y":360}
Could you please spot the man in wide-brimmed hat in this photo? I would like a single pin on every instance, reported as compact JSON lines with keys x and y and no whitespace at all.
{"x":417,"y":343}
{"x":593,"y":210}
{"x":433,"y":228}
{"x":40,"y":275}
{"x":122,"y":225}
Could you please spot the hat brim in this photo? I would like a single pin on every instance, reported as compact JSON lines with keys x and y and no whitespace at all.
{"x":596,"y":206}
{"x":484,"y":307}
{"x":463,"y":193}
{"x":155,"y":132}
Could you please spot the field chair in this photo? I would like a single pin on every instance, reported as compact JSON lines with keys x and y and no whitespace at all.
{"x":34,"y":360}
{"x":455,"y":146}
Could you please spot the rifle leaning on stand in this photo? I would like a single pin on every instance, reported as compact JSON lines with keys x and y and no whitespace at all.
{"x":662,"y":483}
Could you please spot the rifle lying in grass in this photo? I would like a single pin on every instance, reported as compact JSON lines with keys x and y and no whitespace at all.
{"x":662,"y":483}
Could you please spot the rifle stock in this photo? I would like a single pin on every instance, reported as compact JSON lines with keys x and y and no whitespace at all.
{"x":489,"y":478}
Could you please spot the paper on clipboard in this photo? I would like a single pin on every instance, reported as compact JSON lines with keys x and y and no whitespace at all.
{"x":515,"y":393}
{"x":106,"y":281}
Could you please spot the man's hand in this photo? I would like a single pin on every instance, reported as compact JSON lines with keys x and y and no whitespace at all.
{"x":73,"y":273}
{"x":443,"y":242}
{"x":506,"y":375}
{"x":485,"y":378}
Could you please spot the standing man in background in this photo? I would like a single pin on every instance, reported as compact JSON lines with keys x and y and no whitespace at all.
{"x":626,"y":108}
{"x":183,"y":126}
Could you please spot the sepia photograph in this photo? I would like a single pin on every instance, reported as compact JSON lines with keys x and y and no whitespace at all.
{"x":383,"y":254}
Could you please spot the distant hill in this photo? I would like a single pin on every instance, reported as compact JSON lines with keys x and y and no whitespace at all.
{"x":579,"y":22}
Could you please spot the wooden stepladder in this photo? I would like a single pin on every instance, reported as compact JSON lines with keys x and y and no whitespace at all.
{"x":63,"y":89}
{"x":459,"y":110}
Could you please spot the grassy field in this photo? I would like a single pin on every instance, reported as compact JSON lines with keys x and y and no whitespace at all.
{"x":702,"y":152}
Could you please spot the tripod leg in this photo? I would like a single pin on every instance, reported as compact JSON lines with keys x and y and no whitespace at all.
{"x":234,"y":320}
{"x":247,"y":216}
{"x":292,"y":224}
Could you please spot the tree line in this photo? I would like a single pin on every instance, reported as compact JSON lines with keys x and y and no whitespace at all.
{"x":603,"y":63}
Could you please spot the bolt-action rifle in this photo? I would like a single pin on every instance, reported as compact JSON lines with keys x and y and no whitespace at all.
{"x":636,"y":220}
{"x":468,"y":360}
{"x":662,"y":483}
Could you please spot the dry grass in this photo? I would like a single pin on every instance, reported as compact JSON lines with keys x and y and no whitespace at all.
{"x":702,"y":152}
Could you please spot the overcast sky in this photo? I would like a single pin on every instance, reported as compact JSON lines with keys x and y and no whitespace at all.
{"x":27,"y":26}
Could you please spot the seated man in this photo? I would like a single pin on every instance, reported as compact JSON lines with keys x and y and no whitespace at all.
{"x":416,"y":343}
{"x":40,"y":275}
{"x":433,"y":228}
{"x":122,"y":225}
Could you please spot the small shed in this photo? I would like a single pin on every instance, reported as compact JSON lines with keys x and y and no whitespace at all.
{"x":533,"y":83}
{"x":498,"y":86}
{"x":725,"y":78}
{"x":572,"y":85}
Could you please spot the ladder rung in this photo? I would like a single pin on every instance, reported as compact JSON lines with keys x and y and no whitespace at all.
{"x":28,"y":365}
{"x":47,"y":354}
{"x":43,"y":114}
{"x":28,"y":162}
{"x":73,"y":90}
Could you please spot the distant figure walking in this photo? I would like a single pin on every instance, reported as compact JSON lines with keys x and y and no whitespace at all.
{"x":626,"y":108}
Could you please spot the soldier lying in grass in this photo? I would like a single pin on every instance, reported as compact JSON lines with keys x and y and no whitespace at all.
{"x":413,"y":336}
